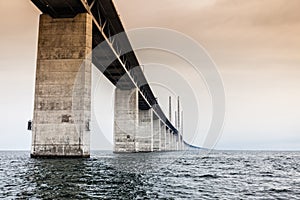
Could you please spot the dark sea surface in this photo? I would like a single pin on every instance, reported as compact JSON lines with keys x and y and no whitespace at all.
{"x":170,"y":175}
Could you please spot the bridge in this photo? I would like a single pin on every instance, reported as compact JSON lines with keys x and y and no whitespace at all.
{"x":73,"y":35}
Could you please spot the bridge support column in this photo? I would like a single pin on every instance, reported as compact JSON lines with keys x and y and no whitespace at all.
{"x":180,"y":142}
{"x":125,"y":120}
{"x":162,"y":136}
{"x":168,"y":140}
{"x":156,"y":133}
{"x":62,"y":105}
{"x":144,"y":134}
{"x":172,"y":140}
{"x":176,"y":142}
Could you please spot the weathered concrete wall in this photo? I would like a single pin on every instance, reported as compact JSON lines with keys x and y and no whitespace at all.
{"x":144,"y":134}
{"x":62,"y":106}
{"x":156,"y":134}
{"x":125,"y":120}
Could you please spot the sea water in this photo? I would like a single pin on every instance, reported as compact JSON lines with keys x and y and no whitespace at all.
{"x":168,"y":175}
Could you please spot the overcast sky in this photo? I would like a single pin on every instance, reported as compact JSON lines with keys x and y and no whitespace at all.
{"x":255,"y":45}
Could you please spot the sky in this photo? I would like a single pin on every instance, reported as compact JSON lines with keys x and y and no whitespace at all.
{"x":254,"y":44}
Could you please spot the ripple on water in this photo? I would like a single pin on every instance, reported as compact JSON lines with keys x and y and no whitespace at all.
{"x":225,"y":175}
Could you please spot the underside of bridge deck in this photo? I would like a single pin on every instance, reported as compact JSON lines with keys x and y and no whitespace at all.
{"x":106,"y":46}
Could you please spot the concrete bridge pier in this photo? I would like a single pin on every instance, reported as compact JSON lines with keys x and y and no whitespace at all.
{"x":170,"y":140}
{"x":133,"y":128}
{"x":156,"y":133}
{"x":177,"y":142}
{"x":62,"y":103}
{"x":168,"y":136}
{"x":126,"y":118}
{"x":173,"y":141}
{"x":180,"y":142}
{"x":163,"y":136}
{"x":137,"y":130}
{"x":144,"y":134}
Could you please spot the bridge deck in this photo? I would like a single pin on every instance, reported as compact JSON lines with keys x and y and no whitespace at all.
{"x":104,"y":58}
